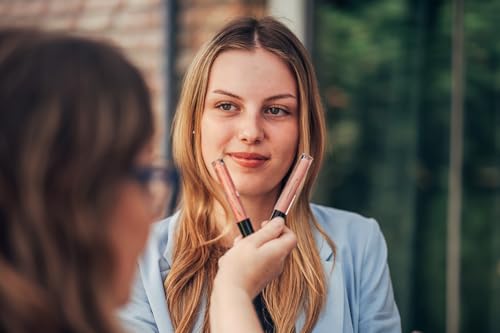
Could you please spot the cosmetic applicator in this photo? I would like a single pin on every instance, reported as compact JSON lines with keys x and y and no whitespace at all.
{"x":293,"y":186}
{"x":233,"y":197}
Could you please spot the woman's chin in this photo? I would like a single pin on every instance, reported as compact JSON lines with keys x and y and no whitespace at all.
{"x":255,"y":191}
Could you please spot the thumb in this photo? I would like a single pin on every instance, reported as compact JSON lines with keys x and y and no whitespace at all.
{"x":269,"y":231}
{"x":237,"y":239}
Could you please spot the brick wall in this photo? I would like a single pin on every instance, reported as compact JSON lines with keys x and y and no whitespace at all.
{"x":134,"y":25}
{"x":198,"y":20}
{"x":137,"y":26}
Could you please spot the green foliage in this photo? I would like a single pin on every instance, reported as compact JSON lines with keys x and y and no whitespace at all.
{"x":384,"y":68}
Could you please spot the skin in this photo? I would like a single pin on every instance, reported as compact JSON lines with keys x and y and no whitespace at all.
{"x":131,"y":218}
{"x":251,"y":119}
{"x":243,"y":272}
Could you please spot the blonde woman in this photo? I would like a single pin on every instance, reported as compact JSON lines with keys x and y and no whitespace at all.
{"x":251,"y":97}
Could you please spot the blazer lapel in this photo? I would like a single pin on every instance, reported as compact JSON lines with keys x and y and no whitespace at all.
{"x":154,"y":276}
{"x":331,"y":318}
{"x":165,"y":262}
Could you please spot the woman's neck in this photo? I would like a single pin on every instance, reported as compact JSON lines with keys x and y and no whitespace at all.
{"x":259,"y":209}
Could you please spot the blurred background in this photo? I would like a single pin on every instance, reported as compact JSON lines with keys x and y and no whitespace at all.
{"x":412,"y":93}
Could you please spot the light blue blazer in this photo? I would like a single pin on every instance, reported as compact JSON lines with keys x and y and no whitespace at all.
{"x":359,"y":299}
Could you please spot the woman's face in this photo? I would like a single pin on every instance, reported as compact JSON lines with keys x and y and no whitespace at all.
{"x":251,"y":118}
{"x":131,"y":218}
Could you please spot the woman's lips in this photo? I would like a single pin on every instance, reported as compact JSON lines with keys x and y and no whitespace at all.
{"x":248,"y":160}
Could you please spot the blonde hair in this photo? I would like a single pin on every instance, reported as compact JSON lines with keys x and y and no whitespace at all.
{"x":302,"y":285}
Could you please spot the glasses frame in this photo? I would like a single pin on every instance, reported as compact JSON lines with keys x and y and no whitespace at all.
{"x":159,"y":182}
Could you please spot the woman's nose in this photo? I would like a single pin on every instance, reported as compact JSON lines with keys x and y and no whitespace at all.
{"x":250,"y":128}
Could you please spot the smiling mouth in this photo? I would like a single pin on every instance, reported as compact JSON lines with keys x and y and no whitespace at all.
{"x":248,"y":160}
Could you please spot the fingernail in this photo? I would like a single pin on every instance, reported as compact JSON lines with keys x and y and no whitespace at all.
{"x":278,"y":220}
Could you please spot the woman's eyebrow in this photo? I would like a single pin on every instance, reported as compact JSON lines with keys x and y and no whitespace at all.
{"x":280,"y":96}
{"x":223,"y":92}
{"x":270,"y":98}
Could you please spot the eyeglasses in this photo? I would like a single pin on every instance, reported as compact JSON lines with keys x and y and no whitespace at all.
{"x":158,"y":180}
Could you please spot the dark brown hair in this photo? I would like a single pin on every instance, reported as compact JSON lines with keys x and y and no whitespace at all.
{"x":74,"y":114}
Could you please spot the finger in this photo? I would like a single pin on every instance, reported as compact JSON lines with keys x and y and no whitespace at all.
{"x":289,"y":239}
{"x":282,"y":245}
{"x":237,"y":239}
{"x":264,"y":223}
{"x":271,"y":230}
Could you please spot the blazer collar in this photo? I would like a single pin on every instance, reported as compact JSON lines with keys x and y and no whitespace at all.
{"x":332,"y":315}
{"x":325,"y":252}
{"x":172,"y":223}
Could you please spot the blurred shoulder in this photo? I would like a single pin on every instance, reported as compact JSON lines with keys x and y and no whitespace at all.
{"x":345,"y":228}
{"x":161,"y":231}
{"x":160,"y":243}
{"x":329,"y":217}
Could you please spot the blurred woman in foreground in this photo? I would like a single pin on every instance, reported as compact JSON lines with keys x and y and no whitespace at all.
{"x":76,"y":128}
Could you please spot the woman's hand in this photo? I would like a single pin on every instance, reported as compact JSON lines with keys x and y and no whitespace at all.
{"x":244,"y":271}
{"x":256,"y":259}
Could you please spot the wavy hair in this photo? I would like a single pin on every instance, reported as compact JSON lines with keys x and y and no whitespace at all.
{"x":302,"y":285}
{"x":74,"y":115}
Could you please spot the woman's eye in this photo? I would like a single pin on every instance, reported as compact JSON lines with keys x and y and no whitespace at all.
{"x":226,"y":106}
{"x":276,"y":111}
